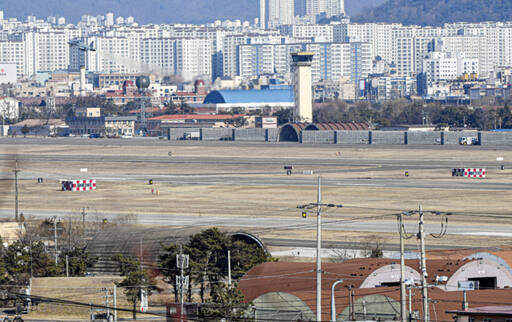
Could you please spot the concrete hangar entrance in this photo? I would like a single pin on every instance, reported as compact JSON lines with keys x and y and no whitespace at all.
{"x":292,"y":132}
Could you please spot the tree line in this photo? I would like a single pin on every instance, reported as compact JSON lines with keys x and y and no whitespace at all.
{"x":402,"y":111}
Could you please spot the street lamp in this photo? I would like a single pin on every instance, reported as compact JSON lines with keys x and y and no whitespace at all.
{"x":333,"y":301}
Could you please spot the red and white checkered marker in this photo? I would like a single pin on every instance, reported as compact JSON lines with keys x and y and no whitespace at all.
{"x":79,"y":185}
{"x":474,"y":172}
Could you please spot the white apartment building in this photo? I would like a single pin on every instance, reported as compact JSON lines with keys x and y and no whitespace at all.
{"x":230,"y":54}
{"x":378,"y":35}
{"x":473,"y":47}
{"x":276,"y":12}
{"x":443,"y":66}
{"x":193,"y":58}
{"x":328,"y":7}
{"x":158,"y":54}
{"x":410,"y":52}
{"x":331,"y":61}
{"x":317,"y":33}
{"x":14,"y":52}
{"x":261,"y":59}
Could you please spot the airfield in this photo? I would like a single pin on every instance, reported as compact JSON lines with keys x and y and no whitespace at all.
{"x":243,"y":186}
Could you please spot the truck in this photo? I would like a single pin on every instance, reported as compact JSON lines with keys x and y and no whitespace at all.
{"x":468,"y":140}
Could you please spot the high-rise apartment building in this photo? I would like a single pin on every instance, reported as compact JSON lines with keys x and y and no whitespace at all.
{"x":331,"y":61}
{"x":328,"y":7}
{"x":276,"y":12}
{"x":193,"y":58}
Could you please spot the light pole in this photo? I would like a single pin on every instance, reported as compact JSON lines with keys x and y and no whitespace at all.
{"x":333,"y":301}
{"x":318,"y":205}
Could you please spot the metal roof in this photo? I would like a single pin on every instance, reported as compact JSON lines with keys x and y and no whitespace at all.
{"x":250,"y":96}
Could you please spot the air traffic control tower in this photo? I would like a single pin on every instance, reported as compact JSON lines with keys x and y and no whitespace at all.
{"x":303,"y":95}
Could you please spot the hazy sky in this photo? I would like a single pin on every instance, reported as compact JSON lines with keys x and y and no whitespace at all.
{"x":148,"y":11}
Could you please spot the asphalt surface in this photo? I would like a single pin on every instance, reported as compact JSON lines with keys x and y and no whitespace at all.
{"x":152,"y":141}
{"x":270,"y":224}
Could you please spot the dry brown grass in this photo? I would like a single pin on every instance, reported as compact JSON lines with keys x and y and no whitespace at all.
{"x":87,"y":290}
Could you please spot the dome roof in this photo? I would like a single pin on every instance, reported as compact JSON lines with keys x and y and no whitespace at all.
{"x":249,"y":96}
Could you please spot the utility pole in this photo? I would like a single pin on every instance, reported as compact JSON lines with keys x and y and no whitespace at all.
{"x":107,"y":296}
{"x":402,"y":271}
{"x":16,"y":190}
{"x":115,"y":303}
{"x":55,"y":239}
{"x":423,"y":266}
{"x":83,"y":219}
{"x":424,"y":286}
{"x":410,"y":303}
{"x":319,"y":254}
{"x":229,"y":269}
{"x":182,"y":280}
{"x":318,"y":205}
{"x":67,"y":266}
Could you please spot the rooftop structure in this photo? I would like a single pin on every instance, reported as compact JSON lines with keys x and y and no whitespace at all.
{"x":249,"y":99}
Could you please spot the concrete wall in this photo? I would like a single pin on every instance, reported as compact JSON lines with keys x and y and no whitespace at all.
{"x":423,"y":138}
{"x":178,"y":132}
{"x":352,"y":137}
{"x":315,"y":137}
{"x":212,"y":134}
{"x":452,"y":138}
{"x":272,"y":135}
{"x":496,"y":138}
{"x":347,"y":137}
{"x":250,"y":134}
{"x":387,"y":137}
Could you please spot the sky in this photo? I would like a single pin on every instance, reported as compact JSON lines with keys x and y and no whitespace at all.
{"x":148,"y":11}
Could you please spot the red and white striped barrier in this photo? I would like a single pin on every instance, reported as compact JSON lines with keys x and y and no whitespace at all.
{"x":78,"y":185}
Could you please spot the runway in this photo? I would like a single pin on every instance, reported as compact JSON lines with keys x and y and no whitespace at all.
{"x":273,"y":173}
{"x":259,"y":171}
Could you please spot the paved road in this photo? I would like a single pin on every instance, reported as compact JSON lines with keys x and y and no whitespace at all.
{"x":270,"y":224}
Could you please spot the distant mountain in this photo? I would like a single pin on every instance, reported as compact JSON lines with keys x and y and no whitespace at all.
{"x":438,"y":12}
{"x":150,"y":11}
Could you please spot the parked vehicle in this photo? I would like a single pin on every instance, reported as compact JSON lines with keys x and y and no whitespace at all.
{"x":470,"y":140}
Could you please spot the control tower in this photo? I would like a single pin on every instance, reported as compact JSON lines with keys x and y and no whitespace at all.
{"x":303,"y":94}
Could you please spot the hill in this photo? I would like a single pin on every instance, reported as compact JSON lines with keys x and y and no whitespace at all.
{"x":150,"y":11}
{"x":438,"y":12}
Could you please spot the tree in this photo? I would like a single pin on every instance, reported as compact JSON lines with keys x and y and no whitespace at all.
{"x":135,"y":281}
{"x":208,"y":259}
{"x":28,"y":258}
{"x":284,"y":115}
{"x":225,"y":303}
{"x":79,"y":260}
{"x":25,"y":130}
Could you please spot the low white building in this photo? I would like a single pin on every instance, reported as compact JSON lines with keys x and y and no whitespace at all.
{"x":440,"y":66}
